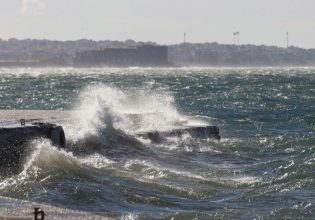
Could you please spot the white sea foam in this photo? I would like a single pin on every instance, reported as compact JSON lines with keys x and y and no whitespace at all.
{"x":130,"y":216}
{"x":246,"y":179}
{"x":97,"y":161}
{"x":160,"y":171}
{"x":133,"y":111}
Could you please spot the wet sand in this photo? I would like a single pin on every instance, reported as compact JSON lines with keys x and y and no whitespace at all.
{"x":16,"y":209}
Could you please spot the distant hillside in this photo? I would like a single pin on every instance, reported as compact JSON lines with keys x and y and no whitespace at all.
{"x":29,"y":52}
{"x":213,"y":54}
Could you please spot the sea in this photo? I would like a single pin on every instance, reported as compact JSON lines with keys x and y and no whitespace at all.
{"x":262,"y":168}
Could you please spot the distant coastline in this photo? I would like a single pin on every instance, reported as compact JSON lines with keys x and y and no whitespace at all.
{"x":42,"y":53}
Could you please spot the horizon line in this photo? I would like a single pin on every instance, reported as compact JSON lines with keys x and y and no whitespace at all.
{"x":159,"y":43}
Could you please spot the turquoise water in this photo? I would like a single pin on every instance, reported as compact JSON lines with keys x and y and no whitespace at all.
{"x":263,"y":168}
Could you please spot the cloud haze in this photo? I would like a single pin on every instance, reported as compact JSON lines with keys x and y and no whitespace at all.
{"x":32,"y":6}
{"x":162,"y":21}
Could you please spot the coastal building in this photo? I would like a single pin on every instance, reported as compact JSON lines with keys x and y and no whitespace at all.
{"x":145,"y":55}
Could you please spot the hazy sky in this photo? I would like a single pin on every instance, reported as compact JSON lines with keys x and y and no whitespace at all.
{"x":163,"y":21}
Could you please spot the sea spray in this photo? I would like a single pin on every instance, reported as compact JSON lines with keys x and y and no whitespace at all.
{"x":102,"y":107}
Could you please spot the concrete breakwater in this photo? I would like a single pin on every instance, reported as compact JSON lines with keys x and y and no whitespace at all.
{"x":19,"y":127}
{"x":202,"y":132}
{"x":15,"y":139}
{"x":16,"y":135}
{"x":8,"y":117}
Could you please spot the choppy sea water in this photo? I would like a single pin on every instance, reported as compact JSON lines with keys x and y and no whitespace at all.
{"x":263,"y":167}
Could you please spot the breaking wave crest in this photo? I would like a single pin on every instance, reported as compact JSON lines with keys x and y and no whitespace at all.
{"x":102,"y":106}
{"x":108,"y":117}
{"x":102,"y":132}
